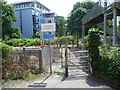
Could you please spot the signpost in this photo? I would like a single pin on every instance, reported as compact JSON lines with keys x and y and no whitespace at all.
{"x":47,"y":29}
{"x":48,"y":36}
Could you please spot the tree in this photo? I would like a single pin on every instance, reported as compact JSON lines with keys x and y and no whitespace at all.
{"x":74,"y":22}
{"x":37,"y":35}
{"x":0,"y":20}
{"x":8,"y":17}
{"x":61,"y":26}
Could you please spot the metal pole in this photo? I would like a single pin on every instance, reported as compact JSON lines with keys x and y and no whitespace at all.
{"x":105,"y":20}
{"x":50,"y":58}
{"x":114,"y":25}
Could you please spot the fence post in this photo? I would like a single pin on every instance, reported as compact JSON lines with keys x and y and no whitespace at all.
{"x":40,"y":60}
{"x":24,"y":51}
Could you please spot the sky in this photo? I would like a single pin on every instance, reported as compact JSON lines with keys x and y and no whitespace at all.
{"x":60,"y":7}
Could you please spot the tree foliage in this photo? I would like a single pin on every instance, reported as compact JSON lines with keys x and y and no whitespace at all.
{"x":75,"y":18}
{"x":8,"y":17}
{"x":61,"y":26}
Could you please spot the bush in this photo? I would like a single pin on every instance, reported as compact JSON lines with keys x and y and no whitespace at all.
{"x":22,"y":42}
{"x":110,"y":62}
{"x":105,"y":59}
{"x":37,"y":35}
{"x":6,"y":52}
{"x":18,"y":67}
{"x":94,"y":43}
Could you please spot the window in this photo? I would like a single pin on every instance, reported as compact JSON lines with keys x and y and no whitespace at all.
{"x":38,"y":20}
{"x":15,"y":6}
{"x":41,"y":20}
{"x":49,"y":21}
{"x":38,"y":26}
{"x":30,"y":5}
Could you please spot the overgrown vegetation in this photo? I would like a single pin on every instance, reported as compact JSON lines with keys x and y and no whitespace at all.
{"x":61,"y":73}
{"x":94,"y":43}
{"x":36,"y":41}
{"x":18,"y":67}
{"x":110,"y":61}
{"x":22,"y":42}
{"x":104,"y":59}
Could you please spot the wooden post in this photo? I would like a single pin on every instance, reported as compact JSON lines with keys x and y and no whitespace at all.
{"x":50,"y":58}
{"x":24,"y":51}
{"x":61,"y":57}
{"x":66,"y":58}
{"x":105,"y":21}
{"x":83,"y":35}
{"x":114,"y":24}
{"x":40,"y":60}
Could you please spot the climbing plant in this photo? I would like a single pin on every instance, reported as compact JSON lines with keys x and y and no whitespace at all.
{"x":94,"y":43}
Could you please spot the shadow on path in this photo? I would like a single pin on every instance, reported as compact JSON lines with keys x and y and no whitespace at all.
{"x":95,"y":82}
{"x":41,"y":84}
{"x":89,"y":80}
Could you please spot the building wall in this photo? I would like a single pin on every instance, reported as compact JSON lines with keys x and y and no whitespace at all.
{"x":17,"y":23}
{"x":27,"y":23}
{"x":118,"y":20}
{"x":51,"y":19}
{"x":24,"y":22}
{"x":39,"y":18}
{"x":30,"y":16}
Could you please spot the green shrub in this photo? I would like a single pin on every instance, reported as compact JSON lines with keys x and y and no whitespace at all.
{"x":23,"y":42}
{"x":94,"y":43}
{"x":110,"y":62}
{"x":30,"y":76}
{"x":6,"y":52}
{"x":14,"y":35}
{"x":37,"y":35}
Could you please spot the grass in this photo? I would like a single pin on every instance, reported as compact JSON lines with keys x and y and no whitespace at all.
{"x":30,"y":76}
{"x":61,"y":73}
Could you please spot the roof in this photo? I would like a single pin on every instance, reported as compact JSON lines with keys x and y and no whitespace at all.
{"x":29,"y":1}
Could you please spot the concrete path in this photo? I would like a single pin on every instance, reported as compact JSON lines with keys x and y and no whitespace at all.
{"x":82,"y":80}
{"x":77,"y":78}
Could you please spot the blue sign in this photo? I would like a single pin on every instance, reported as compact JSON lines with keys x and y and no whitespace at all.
{"x":48,"y":36}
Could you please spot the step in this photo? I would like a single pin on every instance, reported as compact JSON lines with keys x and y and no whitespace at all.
{"x":85,"y":51}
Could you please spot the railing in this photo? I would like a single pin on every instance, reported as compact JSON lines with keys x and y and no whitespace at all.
{"x":96,"y":10}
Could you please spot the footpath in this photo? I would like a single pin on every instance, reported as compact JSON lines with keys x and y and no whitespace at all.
{"x":74,"y":80}
{"x":83,"y":80}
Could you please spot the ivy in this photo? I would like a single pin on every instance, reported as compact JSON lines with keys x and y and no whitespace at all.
{"x":94,"y":43}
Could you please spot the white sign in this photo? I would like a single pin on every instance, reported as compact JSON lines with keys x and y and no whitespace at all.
{"x":48,"y":27}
